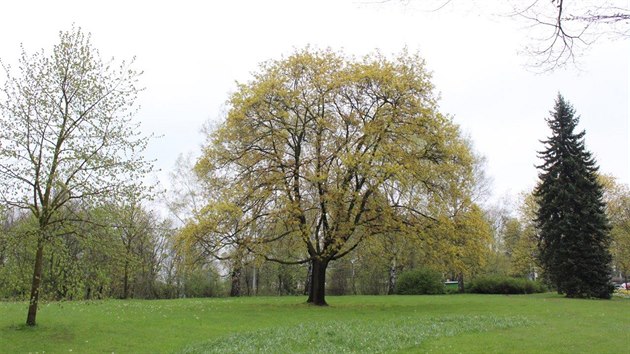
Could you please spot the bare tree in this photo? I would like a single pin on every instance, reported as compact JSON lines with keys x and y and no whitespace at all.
{"x":560,"y":31}
{"x":563,"y":30}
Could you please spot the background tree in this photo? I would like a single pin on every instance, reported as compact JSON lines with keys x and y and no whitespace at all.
{"x":186,"y":273}
{"x":373,"y":268}
{"x":459,"y":245}
{"x":217,"y":233}
{"x":185,"y":198}
{"x":16,"y":258}
{"x":324,"y":152}
{"x":617,"y":197}
{"x":68,"y":136}
{"x":571,"y":220}
{"x":524,"y":256}
{"x":139,"y":237}
{"x":499,"y":216}
{"x":463,"y":232}
{"x":511,"y":234}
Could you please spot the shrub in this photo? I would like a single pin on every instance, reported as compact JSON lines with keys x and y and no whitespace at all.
{"x":420,"y":282}
{"x":505,"y":285}
{"x":201,"y":283}
{"x":622,"y":293}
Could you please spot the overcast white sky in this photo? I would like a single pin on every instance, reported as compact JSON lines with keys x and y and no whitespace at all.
{"x":193,"y":52}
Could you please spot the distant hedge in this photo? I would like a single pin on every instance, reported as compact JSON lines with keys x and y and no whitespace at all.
{"x":505,"y":285}
{"x":420,"y":282}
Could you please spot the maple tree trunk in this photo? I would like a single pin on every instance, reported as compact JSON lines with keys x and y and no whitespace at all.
{"x":317,"y":293}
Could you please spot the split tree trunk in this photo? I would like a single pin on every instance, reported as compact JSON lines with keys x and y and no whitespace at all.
{"x":37,"y":280}
{"x":317,"y":293}
{"x":235,"y":289}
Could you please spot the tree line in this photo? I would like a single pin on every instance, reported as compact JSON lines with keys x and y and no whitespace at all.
{"x":329,"y":175}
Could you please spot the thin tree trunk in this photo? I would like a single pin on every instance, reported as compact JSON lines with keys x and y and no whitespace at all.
{"x":391,"y":283}
{"x":254,"y":280}
{"x":37,"y":280}
{"x":279,"y":287}
{"x":460,"y":282}
{"x":126,"y":281}
{"x":317,"y":295}
{"x":354,"y":285}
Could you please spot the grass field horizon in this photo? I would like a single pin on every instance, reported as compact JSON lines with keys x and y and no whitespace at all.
{"x":542,"y":323}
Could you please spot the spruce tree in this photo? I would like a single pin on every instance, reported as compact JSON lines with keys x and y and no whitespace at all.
{"x":572,"y":224}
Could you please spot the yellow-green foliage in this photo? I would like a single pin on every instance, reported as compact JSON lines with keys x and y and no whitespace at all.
{"x":320,"y":152}
{"x":617,"y":197}
{"x":524,"y":259}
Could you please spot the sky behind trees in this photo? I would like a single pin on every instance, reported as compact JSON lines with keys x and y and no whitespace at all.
{"x":193,"y":53}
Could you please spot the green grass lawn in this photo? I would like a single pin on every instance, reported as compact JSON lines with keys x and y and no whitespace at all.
{"x":544,"y":323}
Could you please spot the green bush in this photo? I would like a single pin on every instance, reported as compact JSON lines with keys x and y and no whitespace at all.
{"x":505,"y":285}
{"x":201,"y":283}
{"x":420,"y":282}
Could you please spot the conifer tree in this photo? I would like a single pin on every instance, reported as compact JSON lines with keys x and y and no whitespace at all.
{"x":572,"y":224}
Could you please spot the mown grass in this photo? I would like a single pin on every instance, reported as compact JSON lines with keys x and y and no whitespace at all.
{"x":543,"y":323}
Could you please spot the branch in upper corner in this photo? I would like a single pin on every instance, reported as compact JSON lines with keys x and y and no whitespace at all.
{"x":562,"y":31}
